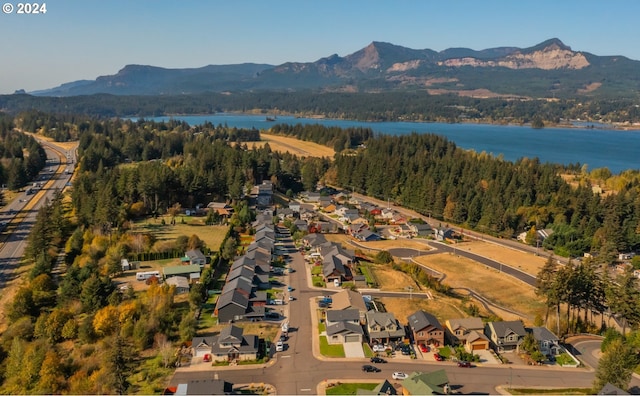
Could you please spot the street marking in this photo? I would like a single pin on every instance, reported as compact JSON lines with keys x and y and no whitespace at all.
{"x":286,"y":356}
{"x":305,"y":390}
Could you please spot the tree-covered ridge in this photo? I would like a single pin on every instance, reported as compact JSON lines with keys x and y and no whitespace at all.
{"x":179,"y":164}
{"x":21,"y":157}
{"x":431,"y":175}
{"x":382,"y":106}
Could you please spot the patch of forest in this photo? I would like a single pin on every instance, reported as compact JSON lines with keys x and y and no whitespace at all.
{"x":383,"y":106}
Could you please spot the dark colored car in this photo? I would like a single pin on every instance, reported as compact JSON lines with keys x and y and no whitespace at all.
{"x":376,"y":359}
{"x":438,"y":357}
{"x":406,"y":350}
{"x":462,"y":363}
{"x":370,"y":369}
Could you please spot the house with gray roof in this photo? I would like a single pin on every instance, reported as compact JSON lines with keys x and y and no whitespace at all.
{"x":426,"y":328}
{"x":180,"y":283}
{"x":468,"y":332}
{"x":204,"y":386}
{"x":230,"y":345}
{"x":343,"y":326}
{"x":196,"y":257}
{"x":547,"y":341}
{"x":232,"y":305}
{"x":332,"y":268}
{"x":505,"y":336}
{"x":383,"y":327}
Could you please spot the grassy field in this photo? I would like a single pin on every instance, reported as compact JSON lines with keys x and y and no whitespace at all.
{"x":293,"y":146}
{"x":497,"y":287}
{"x":212,"y":236}
{"x":350,"y":388}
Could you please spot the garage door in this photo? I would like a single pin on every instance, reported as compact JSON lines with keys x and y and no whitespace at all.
{"x":477,"y":347}
{"x":352,"y":338}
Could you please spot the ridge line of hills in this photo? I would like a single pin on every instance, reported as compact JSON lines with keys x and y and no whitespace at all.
{"x":550,"y":69}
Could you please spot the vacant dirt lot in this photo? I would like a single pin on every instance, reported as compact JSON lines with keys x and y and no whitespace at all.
{"x":211,"y":235}
{"x":392,"y":280}
{"x":443,"y":307}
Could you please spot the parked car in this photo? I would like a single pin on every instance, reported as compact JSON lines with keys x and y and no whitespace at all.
{"x":322,"y":304}
{"x":406,"y":350}
{"x":291,"y":298}
{"x":438,"y":357}
{"x":370,"y":369}
{"x":289,"y":288}
{"x":376,"y":359}
{"x":399,"y":376}
{"x":424,"y":348}
{"x":206,"y":357}
{"x":279,"y":346}
{"x":463,"y":363}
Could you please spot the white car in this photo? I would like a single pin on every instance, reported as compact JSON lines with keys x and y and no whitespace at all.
{"x":279,"y":346}
{"x":399,"y":376}
{"x":379,"y":348}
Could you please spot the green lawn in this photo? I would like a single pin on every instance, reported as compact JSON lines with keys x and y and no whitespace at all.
{"x":445,"y":352}
{"x":212,"y":236}
{"x":330,"y":350}
{"x":316,"y":270}
{"x":367,"y":350}
{"x":350,"y":389}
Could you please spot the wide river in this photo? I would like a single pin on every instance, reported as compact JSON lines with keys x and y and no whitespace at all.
{"x":598,"y":148}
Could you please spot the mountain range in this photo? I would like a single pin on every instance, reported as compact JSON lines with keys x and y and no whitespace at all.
{"x":548,"y":70}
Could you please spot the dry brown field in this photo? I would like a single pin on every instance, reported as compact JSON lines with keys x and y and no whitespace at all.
{"x":499,"y":288}
{"x":443,"y":307}
{"x":392,"y":280}
{"x":293,"y":146}
{"x":527,"y":262}
{"x":398,"y":243}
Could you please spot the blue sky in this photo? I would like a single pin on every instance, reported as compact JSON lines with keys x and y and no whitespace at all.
{"x":83,"y":39}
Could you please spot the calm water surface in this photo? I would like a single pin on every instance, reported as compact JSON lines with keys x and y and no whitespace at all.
{"x":614,"y":149}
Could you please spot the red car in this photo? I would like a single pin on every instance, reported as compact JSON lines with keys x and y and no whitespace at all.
{"x":424,"y":348}
{"x":438,"y":357}
{"x":464,"y":364}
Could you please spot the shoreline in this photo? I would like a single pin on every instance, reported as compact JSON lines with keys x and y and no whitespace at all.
{"x":563,"y":125}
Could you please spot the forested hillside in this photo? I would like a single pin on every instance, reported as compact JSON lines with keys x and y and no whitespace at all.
{"x":383,"y":106}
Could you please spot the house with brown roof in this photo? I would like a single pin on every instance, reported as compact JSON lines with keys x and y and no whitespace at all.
{"x":426,"y":328}
{"x":468,"y":332}
{"x":348,"y":299}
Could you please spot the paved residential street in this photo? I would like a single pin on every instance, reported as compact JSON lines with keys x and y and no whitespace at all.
{"x":301,"y":369}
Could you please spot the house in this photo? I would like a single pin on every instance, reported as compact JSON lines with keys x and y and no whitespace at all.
{"x":443,"y":233}
{"x":230,"y":345}
{"x":468,"y":332}
{"x":383,"y":327}
{"x":387,"y":213}
{"x":349,"y":299}
{"x":366,"y":235}
{"x":204,"y":387}
{"x":284,"y":213}
{"x":383,"y":388}
{"x":221,"y":208}
{"x":324,"y":201}
{"x":196,"y":257}
{"x":301,"y":224}
{"x":505,"y":336}
{"x":332,"y":269}
{"x":433,"y":383}
{"x":329,"y":208}
{"x":190,"y":271}
{"x":420,"y":229}
{"x":457,"y":329}
{"x":180,"y":283}
{"x":124,"y":264}
{"x":312,"y":240}
{"x":343,"y":326}
{"x":426,"y":328}
{"x":232,"y":305}
{"x":547,"y":341}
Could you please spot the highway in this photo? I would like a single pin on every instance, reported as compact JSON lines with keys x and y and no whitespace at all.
{"x":19,"y":215}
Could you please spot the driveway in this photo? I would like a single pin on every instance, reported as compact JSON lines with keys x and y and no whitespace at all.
{"x":486,"y":357}
{"x":353,"y":350}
